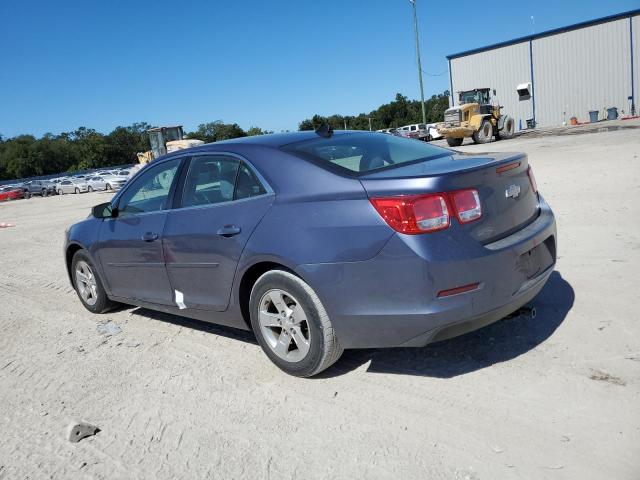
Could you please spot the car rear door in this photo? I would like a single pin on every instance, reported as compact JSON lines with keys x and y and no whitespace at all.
{"x":130,"y":244}
{"x":222,"y":200}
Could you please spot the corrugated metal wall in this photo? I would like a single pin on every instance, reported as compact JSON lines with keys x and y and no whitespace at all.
{"x":582,"y":70}
{"x":502,"y":69}
{"x":636,"y":63}
{"x":573,"y":72}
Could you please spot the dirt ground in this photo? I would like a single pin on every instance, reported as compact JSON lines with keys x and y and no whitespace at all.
{"x":554,"y":397}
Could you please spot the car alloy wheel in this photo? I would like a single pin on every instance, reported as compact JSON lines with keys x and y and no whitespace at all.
{"x":90,"y":189}
{"x":291,"y":324}
{"x":86,"y":283}
{"x":77,"y":190}
{"x":108,"y":187}
{"x":284,"y":325}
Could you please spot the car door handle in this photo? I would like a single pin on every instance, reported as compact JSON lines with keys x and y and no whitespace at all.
{"x":150,"y":237}
{"x":229,"y":231}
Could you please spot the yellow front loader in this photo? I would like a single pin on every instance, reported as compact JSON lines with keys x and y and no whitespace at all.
{"x":477,"y":118}
{"x":166,"y":140}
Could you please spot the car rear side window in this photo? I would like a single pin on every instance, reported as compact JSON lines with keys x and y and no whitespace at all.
{"x":364,"y":152}
{"x":210,"y":180}
{"x":217,"y":179}
{"x":247,"y":185}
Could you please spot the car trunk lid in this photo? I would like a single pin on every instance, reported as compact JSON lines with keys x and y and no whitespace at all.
{"x":507,"y":197}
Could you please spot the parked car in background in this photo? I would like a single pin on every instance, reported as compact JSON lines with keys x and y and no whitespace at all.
{"x":432,"y":132}
{"x":114,"y":182}
{"x":73,"y":185}
{"x":417,"y":131}
{"x":38,"y":187}
{"x":96,"y":183}
{"x":11,"y":193}
{"x":321,"y":241}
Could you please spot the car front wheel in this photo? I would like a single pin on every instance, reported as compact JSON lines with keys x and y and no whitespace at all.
{"x":291,"y":324}
{"x":108,"y":187}
{"x":88,"y":284}
{"x":90,"y":189}
{"x":77,"y":190}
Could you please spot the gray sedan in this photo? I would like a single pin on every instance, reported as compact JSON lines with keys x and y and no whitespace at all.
{"x":72,"y":185}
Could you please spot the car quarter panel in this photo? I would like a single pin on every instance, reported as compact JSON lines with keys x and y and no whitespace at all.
{"x":381,"y":313}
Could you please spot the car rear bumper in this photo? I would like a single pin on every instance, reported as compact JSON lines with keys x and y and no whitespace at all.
{"x":392,"y":299}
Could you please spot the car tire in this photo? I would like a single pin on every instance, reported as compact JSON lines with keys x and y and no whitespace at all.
{"x":44,"y":192}
{"x":27,"y":194}
{"x":484,"y":133}
{"x":301,"y":341}
{"x":90,"y":189}
{"x":454,"y":142}
{"x":60,"y":192}
{"x":77,"y":190}
{"x":88,"y":285}
{"x":108,"y":187}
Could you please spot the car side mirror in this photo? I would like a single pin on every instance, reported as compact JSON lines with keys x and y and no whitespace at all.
{"x":104,"y":210}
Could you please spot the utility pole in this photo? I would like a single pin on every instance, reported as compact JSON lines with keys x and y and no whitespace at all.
{"x":415,"y":28}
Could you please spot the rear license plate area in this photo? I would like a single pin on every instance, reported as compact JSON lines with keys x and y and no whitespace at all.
{"x":537,"y":260}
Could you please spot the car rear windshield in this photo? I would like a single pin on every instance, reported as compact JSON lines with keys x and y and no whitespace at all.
{"x":359,"y":153}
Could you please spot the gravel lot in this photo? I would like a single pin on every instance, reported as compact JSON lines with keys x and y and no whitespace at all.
{"x":554,"y":397}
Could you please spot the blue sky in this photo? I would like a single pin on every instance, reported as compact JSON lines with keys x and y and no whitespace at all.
{"x":258,"y":63}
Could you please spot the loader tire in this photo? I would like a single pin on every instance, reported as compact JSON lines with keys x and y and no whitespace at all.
{"x":508,"y":129}
{"x":454,"y":142}
{"x":484,"y":133}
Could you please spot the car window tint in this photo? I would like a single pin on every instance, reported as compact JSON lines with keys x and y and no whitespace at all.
{"x":210,"y":180}
{"x":150,"y":191}
{"x":247,"y":185}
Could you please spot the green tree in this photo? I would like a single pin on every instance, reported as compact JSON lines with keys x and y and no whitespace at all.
{"x":216,"y":131}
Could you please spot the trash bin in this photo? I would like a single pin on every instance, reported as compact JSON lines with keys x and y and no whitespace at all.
{"x":612,"y":113}
{"x":593,"y":116}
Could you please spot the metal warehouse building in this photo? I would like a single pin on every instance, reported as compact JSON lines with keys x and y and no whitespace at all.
{"x":569,"y":71}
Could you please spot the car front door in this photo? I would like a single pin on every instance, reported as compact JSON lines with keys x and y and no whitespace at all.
{"x":221,"y":202}
{"x":130,"y":244}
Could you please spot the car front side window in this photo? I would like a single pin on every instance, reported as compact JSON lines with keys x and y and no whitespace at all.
{"x":150,"y":192}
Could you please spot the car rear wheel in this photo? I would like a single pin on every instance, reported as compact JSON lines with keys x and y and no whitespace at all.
{"x":27,"y":194}
{"x":108,"y":187}
{"x":454,"y":142}
{"x":88,"y":284}
{"x":60,"y":192}
{"x":90,"y":188}
{"x":291,"y":324}
{"x":44,"y":192}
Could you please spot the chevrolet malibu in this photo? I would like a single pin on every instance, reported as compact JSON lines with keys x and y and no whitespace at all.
{"x":321,"y":241}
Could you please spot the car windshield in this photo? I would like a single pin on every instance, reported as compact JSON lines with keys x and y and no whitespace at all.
{"x":364,"y":152}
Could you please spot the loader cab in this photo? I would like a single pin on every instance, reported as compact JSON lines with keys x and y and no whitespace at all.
{"x":161,"y":135}
{"x":478,"y":95}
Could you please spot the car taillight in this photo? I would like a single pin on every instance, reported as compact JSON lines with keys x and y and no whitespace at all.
{"x":467,"y":205}
{"x":415,"y":214}
{"x":532,"y":179}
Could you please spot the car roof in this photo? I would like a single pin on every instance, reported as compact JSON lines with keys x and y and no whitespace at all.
{"x":277,"y":140}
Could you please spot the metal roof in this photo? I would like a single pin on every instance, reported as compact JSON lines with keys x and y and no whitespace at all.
{"x":555,"y":31}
